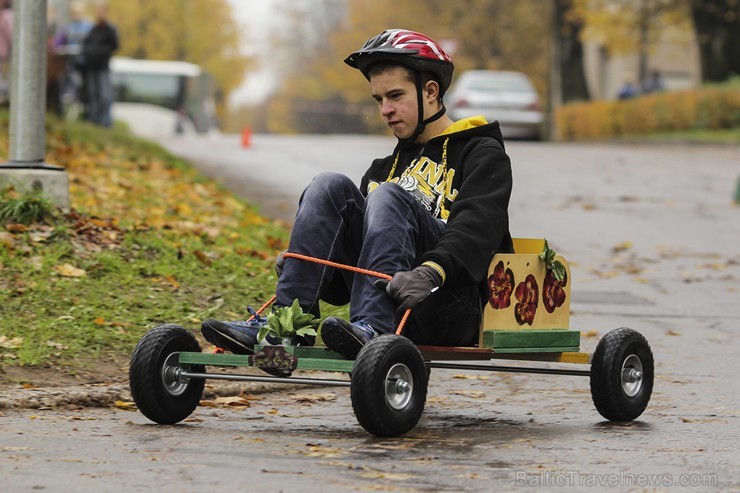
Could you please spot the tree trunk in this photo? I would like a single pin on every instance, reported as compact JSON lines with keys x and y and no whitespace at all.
{"x":573,"y":76}
{"x":717,"y":26}
{"x":642,"y":50}
{"x":732,"y":48}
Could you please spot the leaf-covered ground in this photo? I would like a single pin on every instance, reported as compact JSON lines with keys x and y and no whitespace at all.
{"x":148,"y":241}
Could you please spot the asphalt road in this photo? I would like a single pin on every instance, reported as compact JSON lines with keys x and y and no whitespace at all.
{"x":651,"y":234}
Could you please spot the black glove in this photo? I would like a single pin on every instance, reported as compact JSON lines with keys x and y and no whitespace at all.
{"x":409,"y":288}
{"x":280,"y":263}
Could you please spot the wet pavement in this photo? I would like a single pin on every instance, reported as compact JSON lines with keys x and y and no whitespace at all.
{"x":478,"y":431}
{"x":652,"y":238}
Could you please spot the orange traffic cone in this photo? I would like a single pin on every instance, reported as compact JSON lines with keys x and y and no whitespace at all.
{"x":246,"y":137}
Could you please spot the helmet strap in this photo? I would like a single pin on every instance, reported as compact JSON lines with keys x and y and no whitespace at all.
{"x":422,"y":124}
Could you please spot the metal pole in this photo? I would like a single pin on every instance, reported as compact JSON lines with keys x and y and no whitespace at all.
{"x":254,"y":378}
{"x":509,"y":369}
{"x":26,"y":169}
{"x":28,"y":85}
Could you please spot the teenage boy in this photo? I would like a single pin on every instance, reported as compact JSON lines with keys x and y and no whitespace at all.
{"x":431,"y":215}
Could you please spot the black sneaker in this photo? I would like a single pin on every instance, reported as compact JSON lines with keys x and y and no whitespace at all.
{"x":346,"y":338}
{"x":238,"y":337}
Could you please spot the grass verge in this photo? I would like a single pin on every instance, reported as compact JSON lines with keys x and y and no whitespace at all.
{"x":148,"y":241}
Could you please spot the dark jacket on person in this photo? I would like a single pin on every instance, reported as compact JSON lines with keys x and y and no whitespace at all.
{"x":462,"y":176}
{"x":99,"y":45}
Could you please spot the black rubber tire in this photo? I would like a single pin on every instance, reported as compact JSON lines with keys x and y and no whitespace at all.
{"x":149,"y":390}
{"x":608,"y":392}
{"x":372,"y":408}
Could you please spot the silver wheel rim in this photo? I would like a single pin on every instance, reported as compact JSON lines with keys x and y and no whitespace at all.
{"x":174,"y":384}
{"x":399,"y":386}
{"x":631,"y":375}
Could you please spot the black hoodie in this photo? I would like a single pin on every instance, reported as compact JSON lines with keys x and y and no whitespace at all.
{"x":99,"y":45}
{"x":462,"y":176}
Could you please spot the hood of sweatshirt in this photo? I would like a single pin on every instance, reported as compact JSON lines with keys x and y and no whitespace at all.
{"x":474,"y":126}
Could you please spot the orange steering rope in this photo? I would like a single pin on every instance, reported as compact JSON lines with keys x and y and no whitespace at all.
{"x":337,"y":265}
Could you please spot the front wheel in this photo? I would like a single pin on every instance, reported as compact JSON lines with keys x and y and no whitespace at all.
{"x":622,"y":373}
{"x":388,"y":386}
{"x":158,"y":390}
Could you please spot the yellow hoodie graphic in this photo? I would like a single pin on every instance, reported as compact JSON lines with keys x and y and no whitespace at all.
{"x":429,"y":182}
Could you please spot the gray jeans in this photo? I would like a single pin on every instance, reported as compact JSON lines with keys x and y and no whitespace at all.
{"x":99,"y":96}
{"x":388,"y":232}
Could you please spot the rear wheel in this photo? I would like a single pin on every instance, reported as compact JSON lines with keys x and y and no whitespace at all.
{"x":388,"y":386}
{"x":158,"y":389}
{"x":622,"y":374}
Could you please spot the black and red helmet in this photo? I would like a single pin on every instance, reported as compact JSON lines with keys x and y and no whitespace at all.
{"x":408,"y":48}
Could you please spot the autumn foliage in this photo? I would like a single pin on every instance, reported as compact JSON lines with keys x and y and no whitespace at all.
{"x":708,"y":108}
{"x":203,"y":32}
{"x":148,"y":241}
{"x":319,"y":93}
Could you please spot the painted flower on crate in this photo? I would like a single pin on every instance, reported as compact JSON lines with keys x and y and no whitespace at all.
{"x":553,"y":292}
{"x":527,"y":294}
{"x":501,"y":284}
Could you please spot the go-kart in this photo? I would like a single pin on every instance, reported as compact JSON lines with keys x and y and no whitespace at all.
{"x":526,"y":319}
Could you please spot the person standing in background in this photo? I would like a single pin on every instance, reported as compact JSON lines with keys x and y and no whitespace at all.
{"x":6,"y":43}
{"x":653,"y":83}
{"x":629,"y":89}
{"x":67,"y":43}
{"x":73,"y":34}
{"x":97,"y":48}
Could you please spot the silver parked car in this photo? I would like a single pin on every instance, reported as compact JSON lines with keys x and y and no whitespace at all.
{"x":508,"y":97}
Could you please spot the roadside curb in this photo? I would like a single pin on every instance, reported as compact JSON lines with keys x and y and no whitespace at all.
{"x":107,"y":395}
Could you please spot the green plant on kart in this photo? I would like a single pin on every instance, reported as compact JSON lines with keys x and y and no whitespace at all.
{"x":288,"y":321}
{"x":24,"y":208}
{"x":556,"y":266}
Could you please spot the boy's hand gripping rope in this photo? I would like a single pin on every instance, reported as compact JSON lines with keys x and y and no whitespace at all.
{"x":337,"y":265}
